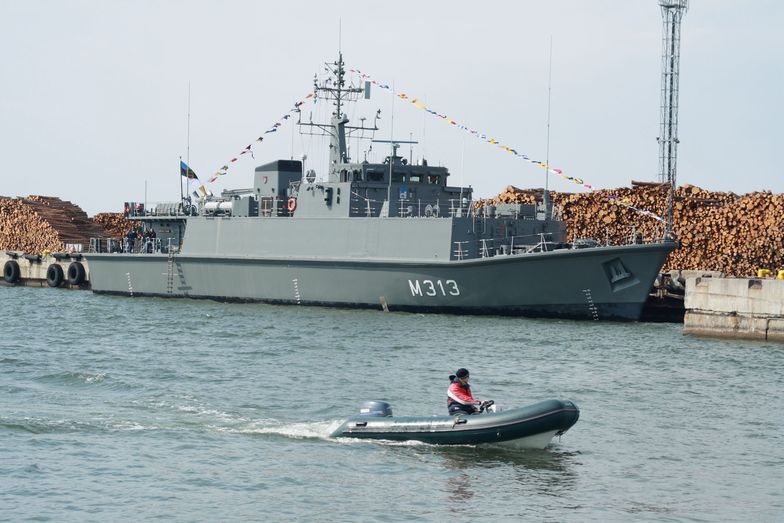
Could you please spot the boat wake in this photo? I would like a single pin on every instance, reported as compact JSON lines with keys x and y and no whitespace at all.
{"x":303,"y":430}
{"x":321,"y":430}
{"x":73,"y":378}
{"x":47,"y":425}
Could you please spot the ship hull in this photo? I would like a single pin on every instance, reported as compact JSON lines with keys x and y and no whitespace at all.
{"x":601,"y":283}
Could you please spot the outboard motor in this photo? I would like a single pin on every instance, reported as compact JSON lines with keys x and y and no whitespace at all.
{"x":375,"y":408}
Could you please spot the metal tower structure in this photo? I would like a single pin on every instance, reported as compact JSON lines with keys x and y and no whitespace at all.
{"x":672,"y":12}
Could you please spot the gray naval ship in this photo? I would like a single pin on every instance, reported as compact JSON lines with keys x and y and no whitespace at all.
{"x":393,"y":236}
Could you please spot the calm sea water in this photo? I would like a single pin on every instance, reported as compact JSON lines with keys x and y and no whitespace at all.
{"x":118,"y":409}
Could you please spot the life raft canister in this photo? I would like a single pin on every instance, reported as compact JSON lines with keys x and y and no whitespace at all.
{"x":292,"y":204}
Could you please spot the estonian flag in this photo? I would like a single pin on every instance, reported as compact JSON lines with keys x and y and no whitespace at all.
{"x":187,"y":172}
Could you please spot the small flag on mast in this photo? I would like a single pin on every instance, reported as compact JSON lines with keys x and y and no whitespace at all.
{"x":187,"y":172}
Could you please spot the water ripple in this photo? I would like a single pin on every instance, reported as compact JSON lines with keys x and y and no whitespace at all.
{"x":205,"y":410}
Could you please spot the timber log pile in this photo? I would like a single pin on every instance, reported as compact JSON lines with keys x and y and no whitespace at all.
{"x":40,"y":223}
{"x":733,"y":234}
{"x":115,"y":223}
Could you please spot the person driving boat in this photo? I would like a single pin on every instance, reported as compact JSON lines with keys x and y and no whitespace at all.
{"x":459,"y":398}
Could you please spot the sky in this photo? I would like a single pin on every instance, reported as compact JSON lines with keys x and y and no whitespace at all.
{"x":100,"y":99}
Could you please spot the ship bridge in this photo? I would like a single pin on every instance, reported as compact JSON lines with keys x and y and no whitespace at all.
{"x":391,"y":189}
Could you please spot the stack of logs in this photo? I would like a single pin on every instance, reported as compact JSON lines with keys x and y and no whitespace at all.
{"x":115,"y":223}
{"x":37,"y":224}
{"x":717,"y":231}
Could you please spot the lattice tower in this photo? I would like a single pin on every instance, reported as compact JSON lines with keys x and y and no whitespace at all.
{"x":672,"y":13}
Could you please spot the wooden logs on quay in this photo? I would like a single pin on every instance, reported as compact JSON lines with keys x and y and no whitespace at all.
{"x":717,"y":231}
{"x":38,"y":224}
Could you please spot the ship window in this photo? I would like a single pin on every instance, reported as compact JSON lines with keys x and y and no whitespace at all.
{"x":398,"y":177}
{"x":415,"y":178}
{"x":432,"y":178}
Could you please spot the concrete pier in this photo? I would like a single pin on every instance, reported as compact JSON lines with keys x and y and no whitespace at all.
{"x":750,"y":308}
{"x":33,"y":269}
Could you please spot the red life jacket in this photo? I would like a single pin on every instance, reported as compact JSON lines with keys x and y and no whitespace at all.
{"x":459,"y":393}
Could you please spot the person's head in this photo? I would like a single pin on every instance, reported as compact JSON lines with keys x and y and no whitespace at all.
{"x":462,"y":375}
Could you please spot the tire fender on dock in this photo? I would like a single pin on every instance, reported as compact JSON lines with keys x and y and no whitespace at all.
{"x":54,"y":275}
{"x":11,"y":271}
{"x":76,"y":273}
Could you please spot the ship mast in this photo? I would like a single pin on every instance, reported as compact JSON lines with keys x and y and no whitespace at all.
{"x":334,"y":88}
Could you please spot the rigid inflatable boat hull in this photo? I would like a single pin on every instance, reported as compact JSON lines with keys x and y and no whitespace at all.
{"x":529,"y":427}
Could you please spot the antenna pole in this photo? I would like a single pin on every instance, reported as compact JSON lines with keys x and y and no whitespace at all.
{"x":424,"y":133}
{"x":339,"y":96}
{"x":549,"y":91}
{"x":546,"y":194}
{"x":462,"y":173}
{"x":188,"y":145}
{"x":392,"y":156}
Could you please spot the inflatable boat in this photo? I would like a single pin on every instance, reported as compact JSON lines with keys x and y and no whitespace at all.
{"x":527,"y":427}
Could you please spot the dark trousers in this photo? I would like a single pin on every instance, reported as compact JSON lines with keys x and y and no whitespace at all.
{"x":459,"y":408}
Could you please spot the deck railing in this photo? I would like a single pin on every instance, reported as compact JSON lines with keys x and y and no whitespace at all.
{"x":137,"y":246}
